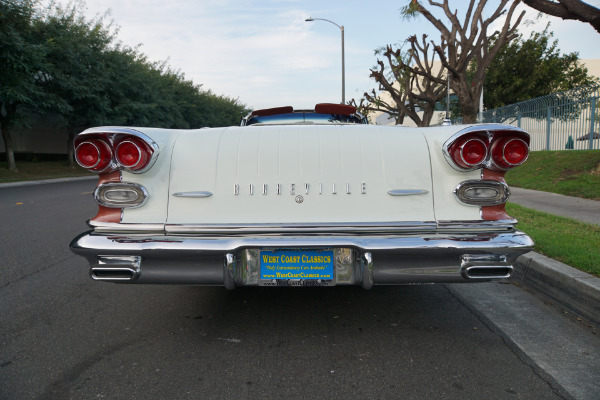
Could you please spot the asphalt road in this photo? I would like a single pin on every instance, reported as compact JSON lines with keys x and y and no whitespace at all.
{"x":64,"y":336}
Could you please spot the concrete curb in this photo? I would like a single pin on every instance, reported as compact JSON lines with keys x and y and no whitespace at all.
{"x":42,"y":182}
{"x":575,"y":290}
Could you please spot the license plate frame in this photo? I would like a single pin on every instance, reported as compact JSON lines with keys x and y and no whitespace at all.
{"x":296,"y":267}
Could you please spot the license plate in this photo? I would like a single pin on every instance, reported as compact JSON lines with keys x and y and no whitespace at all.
{"x":296,"y":268}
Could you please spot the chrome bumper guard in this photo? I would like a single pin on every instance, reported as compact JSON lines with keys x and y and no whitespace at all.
{"x":366,"y":260}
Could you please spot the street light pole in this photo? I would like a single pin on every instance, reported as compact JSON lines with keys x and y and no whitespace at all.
{"x":343,"y":58}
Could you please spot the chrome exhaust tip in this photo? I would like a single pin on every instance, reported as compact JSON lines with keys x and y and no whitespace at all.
{"x":482,"y":266}
{"x":116,"y":268}
{"x":488,"y":272}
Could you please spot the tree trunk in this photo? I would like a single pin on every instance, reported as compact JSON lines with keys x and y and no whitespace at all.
{"x":426,"y":118}
{"x":70,"y":150}
{"x":469,"y":102}
{"x":8,"y":145}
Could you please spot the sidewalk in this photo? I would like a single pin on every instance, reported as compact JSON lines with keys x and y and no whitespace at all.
{"x":574,"y":289}
{"x":583,"y":210}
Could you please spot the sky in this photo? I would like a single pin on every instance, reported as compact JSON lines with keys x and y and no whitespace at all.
{"x":264,"y":54}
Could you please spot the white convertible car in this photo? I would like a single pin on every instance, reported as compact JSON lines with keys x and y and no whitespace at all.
{"x":302,"y":198}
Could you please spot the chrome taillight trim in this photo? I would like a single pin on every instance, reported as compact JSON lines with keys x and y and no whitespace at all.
{"x":115,"y":136}
{"x":100,"y":194}
{"x":502,"y":192}
{"x":487,"y":130}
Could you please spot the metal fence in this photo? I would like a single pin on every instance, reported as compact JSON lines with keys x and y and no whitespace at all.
{"x":567,"y":120}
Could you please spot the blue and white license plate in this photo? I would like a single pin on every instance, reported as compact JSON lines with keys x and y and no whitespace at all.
{"x":296,"y":267}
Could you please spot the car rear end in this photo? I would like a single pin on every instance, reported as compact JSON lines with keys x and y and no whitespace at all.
{"x":302,"y":205}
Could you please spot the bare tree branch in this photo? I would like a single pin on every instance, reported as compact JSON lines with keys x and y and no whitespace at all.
{"x":418,"y":82}
{"x":468,"y":41}
{"x":568,"y":9}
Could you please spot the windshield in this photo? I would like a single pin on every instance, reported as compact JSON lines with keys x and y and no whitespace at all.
{"x":305,"y":118}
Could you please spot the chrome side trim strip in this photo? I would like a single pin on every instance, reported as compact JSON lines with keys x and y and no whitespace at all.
{"x":298,"y":228}
{"x":120,"y":227}
{"x":477,"y":225}
{"x":201,"y":194}
{"x":275,"y":229}
{"x":407,"y":192}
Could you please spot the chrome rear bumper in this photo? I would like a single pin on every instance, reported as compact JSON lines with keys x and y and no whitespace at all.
{"x":366,"y":260}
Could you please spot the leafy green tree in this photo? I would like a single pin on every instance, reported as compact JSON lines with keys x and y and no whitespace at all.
{"x":22,"y":65}
{"x":55,"y":61}
{"x":529,"y":68}
{"x":75,"y":77}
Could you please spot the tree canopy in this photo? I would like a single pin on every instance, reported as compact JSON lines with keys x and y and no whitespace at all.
{"x":529,"y":68}
{"x":55,"y":61}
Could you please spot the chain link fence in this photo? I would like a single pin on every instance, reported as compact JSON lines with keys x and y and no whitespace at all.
{"x":568,"y":120}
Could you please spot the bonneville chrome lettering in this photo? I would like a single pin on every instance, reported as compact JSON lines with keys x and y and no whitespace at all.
{"x":306,"y":188}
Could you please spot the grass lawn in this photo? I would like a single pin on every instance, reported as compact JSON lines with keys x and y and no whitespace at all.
{"x":572,"y":173}
{"x":572,"y":242}
{"x":40,"y":170}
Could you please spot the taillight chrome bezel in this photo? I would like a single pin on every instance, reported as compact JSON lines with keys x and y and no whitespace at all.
{"x":103,"y":197}
{"x":500,"y":190}
{"x":492,"y":136}
{"x":148,"y":148}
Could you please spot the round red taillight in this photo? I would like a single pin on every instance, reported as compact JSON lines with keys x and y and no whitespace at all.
{"x":510,"y":152}
{"x":93,"y":154}
{"x":469,"y":152}
{"x":473,"y":152}
{"x":133,"y":154}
